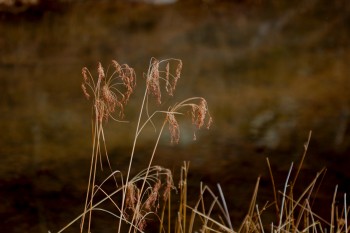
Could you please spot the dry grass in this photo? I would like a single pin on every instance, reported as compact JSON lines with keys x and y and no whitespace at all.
{"x":147,"y":196}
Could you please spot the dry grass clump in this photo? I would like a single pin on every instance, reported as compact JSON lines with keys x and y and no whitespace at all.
{"x":147,"y":195}
{"x":293,"y":213}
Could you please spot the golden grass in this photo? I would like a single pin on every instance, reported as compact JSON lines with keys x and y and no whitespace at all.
{"x":147,"y":196}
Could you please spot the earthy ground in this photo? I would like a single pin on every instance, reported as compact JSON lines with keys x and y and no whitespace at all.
{"x":270,"y":72}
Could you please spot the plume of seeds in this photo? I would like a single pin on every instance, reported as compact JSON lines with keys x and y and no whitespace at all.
{"x":157,"y":73}
{"x":169,"y":184}
{"x":153,"y":197}
{"x":131,"y":196}
{"x":110,"y":93}
{"x":174,"y":128}
{"x":142,"y":201}
{"x":153,"y":81}
{"x":199,"y":114}
{"x":170,"y":74}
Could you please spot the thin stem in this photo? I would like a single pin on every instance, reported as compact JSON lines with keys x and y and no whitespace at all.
{"x":227,"y":215}
{"x":345,"y":214}
{"x":284,"y":196}
{"x":273,"y":186}
{"x":132,"y":156}
{"x":149,"y":166}
{"x":90,"y":176}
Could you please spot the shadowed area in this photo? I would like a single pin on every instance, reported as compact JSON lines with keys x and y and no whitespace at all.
{"x":270,"y":72}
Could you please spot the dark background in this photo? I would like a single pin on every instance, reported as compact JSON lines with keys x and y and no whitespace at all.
{"x":271,"y":71}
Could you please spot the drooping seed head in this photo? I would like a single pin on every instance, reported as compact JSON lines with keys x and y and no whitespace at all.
{"x":169,"y":185}
{"x":83,"y":87}
{"x":178,"y":70}
{"x":153,"y":197}
{"x":153,"y":81}
{"x":101,"y":72}
{"x":85,"y":72}
{"x":174,"y":128}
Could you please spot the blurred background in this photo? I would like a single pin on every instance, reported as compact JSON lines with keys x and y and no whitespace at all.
{"x":270,"y":70}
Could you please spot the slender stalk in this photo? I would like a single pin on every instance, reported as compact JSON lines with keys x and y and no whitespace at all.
{"x":259,"y":218}
{"x":333,"y":210}
{"x":90,"y":187}
{"x":148,"y":169}
{"x":306,"y":146}
{"x":132,"y":156}
{"x":284,"y":196}
{"x":90,"y":209}
{"x":345,"y":214}
{"x":227,"y":214}
{"x":273,"y":187}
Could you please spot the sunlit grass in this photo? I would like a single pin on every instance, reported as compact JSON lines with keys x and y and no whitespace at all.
{"x":147,"y":196}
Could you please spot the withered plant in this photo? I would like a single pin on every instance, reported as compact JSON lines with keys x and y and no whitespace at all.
{"x":141,"y":195}
{"x":162,"y":76}
{"x":147,"y":195}
{"x":293,"y":213}
{"x":109,"y":94}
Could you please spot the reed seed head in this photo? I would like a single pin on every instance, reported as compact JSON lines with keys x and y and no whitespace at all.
{"x":153,"y":197}
{"x":153,"y":81}
{"x":101,"y":72}
{"x":131,"y":196}
{"x":83,"y":87}
{"x":199,"y":112}
{"x":158,"y":72}
{"x":174,"y":128}
{"x":112,"y":93}
{"x":169,"y":185}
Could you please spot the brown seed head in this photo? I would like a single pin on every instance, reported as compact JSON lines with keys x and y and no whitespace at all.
{"x":110,"y":94}
{"x":116,"y":66}
{"x":101,"y":73}
{"x":174,"y":128}
{"x":83,"y":87}
{"x":199,"y":112}
{"x":169,"y":185}
{"x":131,"y":196}
{"x":153,"y":81}
{"x":168,"y":86}
{"x":153,"y":197}
{"x":85,"y":72}
{"x":178,"y":70}
{"x":129,"y":80}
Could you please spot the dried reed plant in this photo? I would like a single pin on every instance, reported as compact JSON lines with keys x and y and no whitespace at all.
{"x":140,"y":195}
{"x":109,"y":94}
{"x":143,"y":195}
{"x":162,"y":76}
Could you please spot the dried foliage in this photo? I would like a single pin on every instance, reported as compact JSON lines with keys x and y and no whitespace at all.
{"x":148,"y":194}
{"x":143,"y":194}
